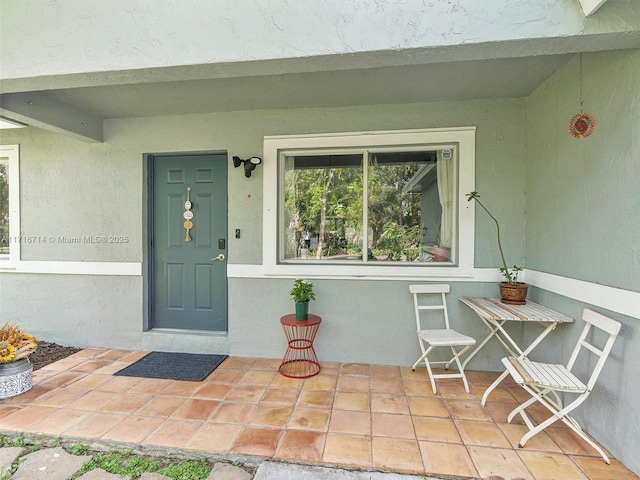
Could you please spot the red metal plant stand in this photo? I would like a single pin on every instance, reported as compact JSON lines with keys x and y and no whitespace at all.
{"x":300,"y":360}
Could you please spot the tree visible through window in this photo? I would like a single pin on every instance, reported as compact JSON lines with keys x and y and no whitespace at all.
{"x":329,"y":198}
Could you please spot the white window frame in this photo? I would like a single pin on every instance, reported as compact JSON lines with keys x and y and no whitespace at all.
{"x":12,"y":154}
{"x":277,"y":146}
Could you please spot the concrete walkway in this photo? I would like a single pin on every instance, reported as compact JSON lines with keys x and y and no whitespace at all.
{"x":287,"y":471}
{"x":57,"y":464}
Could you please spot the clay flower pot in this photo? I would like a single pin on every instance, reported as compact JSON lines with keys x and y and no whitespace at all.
{"x":440,"y":254}
{"x":513,"y":293}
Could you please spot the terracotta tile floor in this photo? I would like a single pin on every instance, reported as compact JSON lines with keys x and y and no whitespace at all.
{"x":351,"y":415}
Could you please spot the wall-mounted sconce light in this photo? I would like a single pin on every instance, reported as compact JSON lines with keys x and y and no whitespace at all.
{"x":250,"y":164}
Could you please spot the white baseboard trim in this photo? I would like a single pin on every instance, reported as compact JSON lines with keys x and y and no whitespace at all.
{"x":76,"y":268}
{"x":616,"y":300}
{"x":625,"y":302}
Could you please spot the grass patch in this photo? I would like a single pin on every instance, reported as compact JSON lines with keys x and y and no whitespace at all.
{"x":126,"y":463}
{"x":79,"y":450}
{"x":189,"y":470}
{"x":6,"y":441}
{"x":118,"y":462}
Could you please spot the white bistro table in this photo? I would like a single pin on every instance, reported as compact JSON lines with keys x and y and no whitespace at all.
{"x":495,"y":314}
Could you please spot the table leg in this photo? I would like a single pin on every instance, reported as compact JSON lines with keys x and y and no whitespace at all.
{"x":508,"y":337}
{"x":494,"y":328}
{"x":535,"y":343}
{"x":524,"y":353}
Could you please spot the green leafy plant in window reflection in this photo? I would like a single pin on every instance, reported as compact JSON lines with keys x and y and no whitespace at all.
{"x":400,"y":242}
{"x":510,"y":274}
{"x":302,"y":291}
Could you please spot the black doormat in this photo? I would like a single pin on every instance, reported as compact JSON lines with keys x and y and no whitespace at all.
{"x":191,"y":367}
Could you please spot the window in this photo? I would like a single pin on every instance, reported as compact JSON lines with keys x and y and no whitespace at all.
{"x":9,"y":221}
{"x":327,"y":202}
{"x":382,"y":203}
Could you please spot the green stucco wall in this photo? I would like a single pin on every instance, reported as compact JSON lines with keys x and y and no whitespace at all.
{"x":74,"y":188}
{"x":583,"y":222}
{"x":576,"y":200}
{"x":583,"y":195}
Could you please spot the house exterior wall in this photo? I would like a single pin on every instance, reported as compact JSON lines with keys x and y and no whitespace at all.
{"x":583,"y":194}
{"x":125,"y":35}
{"x":582,"y":222}
{"x":73,"y":188}
{"x":70,"y":188}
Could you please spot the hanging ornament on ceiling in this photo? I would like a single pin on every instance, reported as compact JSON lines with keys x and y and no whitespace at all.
{"x":582,"y":124}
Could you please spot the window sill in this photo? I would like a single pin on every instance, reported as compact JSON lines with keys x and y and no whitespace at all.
{"x":355,"y":272}
{"x":6,"y":264}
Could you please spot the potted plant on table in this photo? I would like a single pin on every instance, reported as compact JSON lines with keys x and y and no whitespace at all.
{"x":16,"y":371}
{"x":511,"y":291}
{"x":302,"y":293}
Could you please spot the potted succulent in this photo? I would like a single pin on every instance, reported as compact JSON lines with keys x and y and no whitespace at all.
{"x":16,"y":371}
{"x":301,"y":293}
{"x":511,"y":291}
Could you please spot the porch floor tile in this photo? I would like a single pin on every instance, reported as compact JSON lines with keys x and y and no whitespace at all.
{"x":351,"y":415}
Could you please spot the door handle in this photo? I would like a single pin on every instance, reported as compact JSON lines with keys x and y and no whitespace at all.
{"x":219,"y":257}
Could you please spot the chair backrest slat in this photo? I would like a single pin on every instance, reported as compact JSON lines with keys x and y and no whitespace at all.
{"x":593,"y":348}
{"x":421,"y":289}
{"x":608,"y":325}
{"x":604,"y":323}
{"x":428,"y":288}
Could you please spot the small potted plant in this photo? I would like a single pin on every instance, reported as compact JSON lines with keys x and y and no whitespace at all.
{"x":16,"y":371}
{"x":511,"y":291}
{"x":301,"y":293}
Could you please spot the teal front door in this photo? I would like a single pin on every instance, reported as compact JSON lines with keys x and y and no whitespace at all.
{"x":188,"y":242}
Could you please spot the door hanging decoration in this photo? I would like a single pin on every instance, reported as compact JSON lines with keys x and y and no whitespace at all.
{"x":188,"y":215}
{"x":582,"y":124}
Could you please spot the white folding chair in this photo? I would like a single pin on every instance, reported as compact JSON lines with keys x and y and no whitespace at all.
{"x":442,"y":337}
{"x":540,"y":379}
